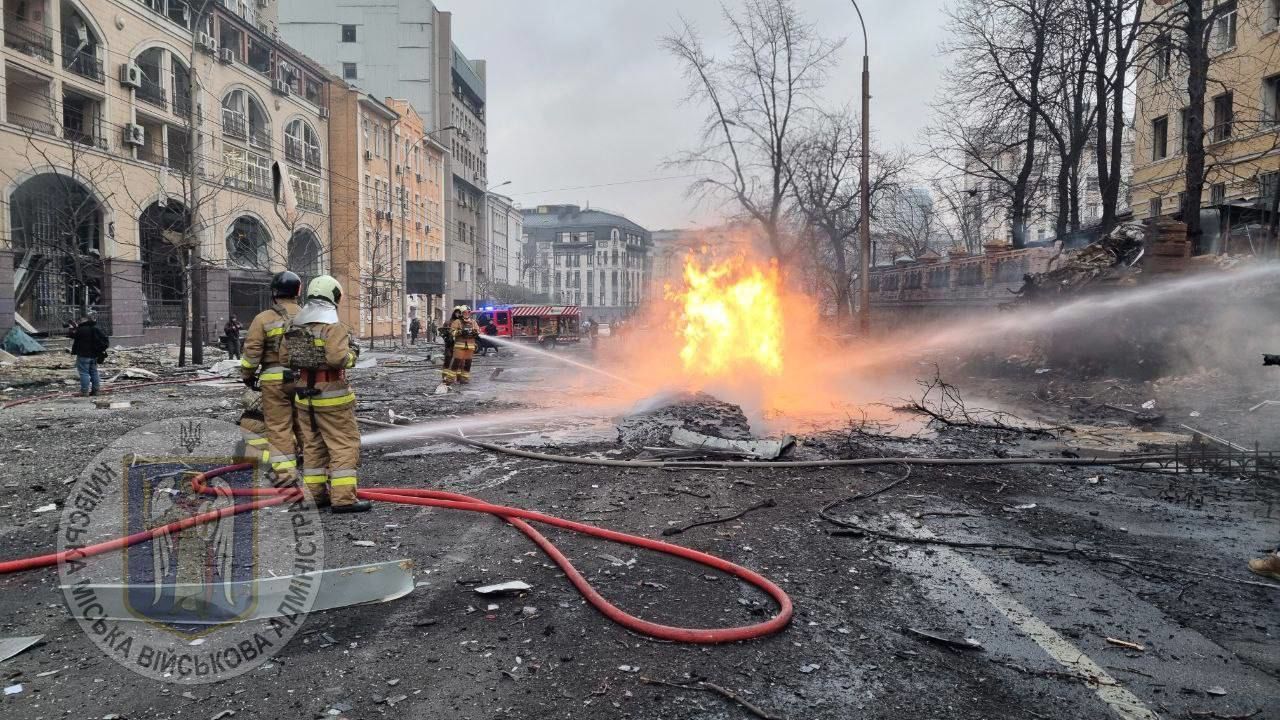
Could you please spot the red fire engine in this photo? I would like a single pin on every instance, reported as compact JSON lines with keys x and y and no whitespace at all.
{"x":542,"y":324}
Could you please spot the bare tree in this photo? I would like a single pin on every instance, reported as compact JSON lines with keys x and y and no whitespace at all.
{"x":960,"y":221}
{"x":825,"y":178}
{"x":1117,"y":28}
{"x":758,"y":98}
{"x":912,"y":221}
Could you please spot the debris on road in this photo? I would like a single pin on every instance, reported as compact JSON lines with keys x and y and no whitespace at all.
{"x":760,"y":505}
{"x":15,"y":645}
{"x":1126,"y":644}
{"x":965,"y":644}
{"x":506,"y":588}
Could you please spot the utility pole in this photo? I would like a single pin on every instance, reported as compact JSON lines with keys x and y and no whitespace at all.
{"x":864,"y":225}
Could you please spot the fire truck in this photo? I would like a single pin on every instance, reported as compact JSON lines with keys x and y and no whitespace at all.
{"x":541,"y":324}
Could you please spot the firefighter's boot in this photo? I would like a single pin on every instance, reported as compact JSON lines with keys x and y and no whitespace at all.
{"x":1268,"y":567}
{"x":317,"y":491}
{"x":345,"y":501}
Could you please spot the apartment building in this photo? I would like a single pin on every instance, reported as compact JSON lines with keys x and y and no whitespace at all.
{"x":404,"y":49}
{"x":117,"y":166}
{"x":592,"y":258}
{"x":505,"y":226}
{"x":420,"y":184}
{"x":1241,"y":124}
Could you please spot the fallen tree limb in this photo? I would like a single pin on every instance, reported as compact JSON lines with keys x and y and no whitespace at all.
{"x":722,"y":692}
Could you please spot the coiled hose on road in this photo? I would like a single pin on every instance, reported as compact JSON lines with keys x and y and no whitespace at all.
{"x":515,"y":516}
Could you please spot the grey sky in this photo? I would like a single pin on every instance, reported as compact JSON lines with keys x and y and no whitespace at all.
{"x":580,"y":93}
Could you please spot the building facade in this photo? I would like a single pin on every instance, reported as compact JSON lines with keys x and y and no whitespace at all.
{"x":505,"y":225}
{"x":404,"y":49}
{"x":1241,"y":125}
{"x":119,"y":176}
{"x":592,"y":258}
{"x":420,"y":183}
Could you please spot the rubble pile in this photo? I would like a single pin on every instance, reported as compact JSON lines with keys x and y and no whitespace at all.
{"x":1107,"y":260}
{"x":652,"y":425}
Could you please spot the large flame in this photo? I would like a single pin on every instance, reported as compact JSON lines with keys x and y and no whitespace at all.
{"x":729,"y":314}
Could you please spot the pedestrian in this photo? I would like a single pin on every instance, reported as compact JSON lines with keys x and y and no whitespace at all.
{"x":432,"y":330}
{"x":465,"y":332}
{"x":321,"y":350}
{"x":231,"y":338}
{"x":89,"y":344}
{"x":414,"y":327}
{"x":447,"y":336}
{"x":263,"y":366}
{"x":490,"y":330}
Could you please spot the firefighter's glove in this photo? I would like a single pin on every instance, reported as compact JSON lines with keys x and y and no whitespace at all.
{"x":250,"y":381}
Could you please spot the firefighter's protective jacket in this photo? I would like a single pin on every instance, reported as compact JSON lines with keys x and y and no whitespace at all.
{"x":464,"y":334}
{"x":264,"y":353}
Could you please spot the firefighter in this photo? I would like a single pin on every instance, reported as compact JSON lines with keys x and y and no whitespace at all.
{"x":446,"y":334}
{"x":262,"y":365}
{"x":465,"y":334}
{"x":320,"y":351}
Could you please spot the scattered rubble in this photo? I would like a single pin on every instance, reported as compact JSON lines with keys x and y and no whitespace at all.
{"x":1109,"y":259}
{"x":653,"y":423}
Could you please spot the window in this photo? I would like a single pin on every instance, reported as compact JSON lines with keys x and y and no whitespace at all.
{"x":1217,"y":194}
{"x":1271,"y":99}
{"x":462,"y":272}
{"x":349,"y":71}
{"x":1224,"y":28}
{"x":1272,"y":20}
{"x":1268,"y":188}
{"x":1223,"y":114}
{"x":1163,"y":52}
{"x":302,"y":145}
{"x":1160,"y":138}
{"x":1154,"y":208}
{"x":348,"y":33}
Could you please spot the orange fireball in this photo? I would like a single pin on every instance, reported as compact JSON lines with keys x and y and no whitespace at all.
{"x":729,"y":315}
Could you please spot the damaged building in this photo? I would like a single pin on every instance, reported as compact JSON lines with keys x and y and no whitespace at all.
{"x":116,"y":170}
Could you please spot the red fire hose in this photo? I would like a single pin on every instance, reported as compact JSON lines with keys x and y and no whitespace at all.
{"x":515,"y":516}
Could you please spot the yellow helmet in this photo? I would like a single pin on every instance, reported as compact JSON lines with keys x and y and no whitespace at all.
{"x":465,"y":308}
{"x":325,"y":288}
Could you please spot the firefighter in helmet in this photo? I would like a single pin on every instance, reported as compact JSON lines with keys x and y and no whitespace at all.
{"x":321,"y":350}
{"x":465,"y":334}
{"x":262,"y":365}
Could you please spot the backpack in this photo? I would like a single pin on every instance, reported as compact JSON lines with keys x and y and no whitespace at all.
{"x":301,"y":348}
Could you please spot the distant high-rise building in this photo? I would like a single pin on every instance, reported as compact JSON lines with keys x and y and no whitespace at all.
{"x":404,"y":49}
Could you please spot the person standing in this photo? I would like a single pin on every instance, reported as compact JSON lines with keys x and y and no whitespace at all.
{"x":414,"y":327}
{"x":231,"y":338}
{"x":446,"y":334}
{"x":465,"y":333}
{"x":89,"y":344}
{"x":321,"y":350}
{"x":262,"y":365}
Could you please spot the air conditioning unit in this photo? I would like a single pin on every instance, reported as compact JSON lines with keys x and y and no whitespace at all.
{"x":135,"y":135}
{"x":264,"y":3}
{"x":226,"y":56}
{"x":131,"y":75}
{"x":205,"y":42}
{"x":368,"y":155}
{"x":324,"y":113}
{"x":280,"y":87}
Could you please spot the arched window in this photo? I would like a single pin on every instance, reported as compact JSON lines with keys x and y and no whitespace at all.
{"x":57,"y":221}
{"x":304,"y":253}
{"x":247,"y":244}
{"x":163,"y":279}
{"x":81,"y":48}
{"x":302,"y":145}
{"x":245,"y":118}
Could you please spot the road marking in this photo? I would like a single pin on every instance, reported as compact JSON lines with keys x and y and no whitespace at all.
{"x":1126,"y":705}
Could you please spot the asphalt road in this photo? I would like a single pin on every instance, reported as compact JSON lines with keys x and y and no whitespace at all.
{"x":1043,"y":620}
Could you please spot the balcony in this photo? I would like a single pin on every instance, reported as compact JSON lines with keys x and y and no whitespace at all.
{"x":153,"y":94}
{"x":84,"y":63}
{"x":26,"y":39}
{"x":33,"y":124}
{"x":91,"y":139}
{"x":182,"y":104}
{"x":260,"y":138}
{"x":293,"y":150}
{"x":311,"y":204}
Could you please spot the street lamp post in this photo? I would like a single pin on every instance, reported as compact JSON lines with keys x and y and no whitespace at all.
{"x":864,"y":225}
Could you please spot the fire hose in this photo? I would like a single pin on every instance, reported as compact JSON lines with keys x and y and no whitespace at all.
{"x":515,"y":516}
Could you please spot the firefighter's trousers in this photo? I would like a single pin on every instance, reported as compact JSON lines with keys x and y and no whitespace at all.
{"x":331,"y":448}
{"x":459,"y":369}
{"x":279,"y":412}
